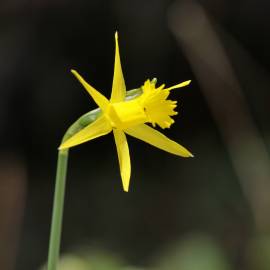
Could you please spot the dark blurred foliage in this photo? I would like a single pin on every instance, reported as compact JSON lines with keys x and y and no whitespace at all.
{"x":170,"y":197}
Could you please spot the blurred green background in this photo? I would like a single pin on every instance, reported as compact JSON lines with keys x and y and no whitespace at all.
{"x":206,"y":213}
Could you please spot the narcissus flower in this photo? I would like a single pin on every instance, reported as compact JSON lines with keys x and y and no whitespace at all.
{"x":130,"y":117}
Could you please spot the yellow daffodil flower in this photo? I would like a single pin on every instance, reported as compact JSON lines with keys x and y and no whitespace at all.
{"x":130,"y":117}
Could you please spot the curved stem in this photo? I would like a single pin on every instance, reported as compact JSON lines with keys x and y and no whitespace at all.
{"x":58,"y":207}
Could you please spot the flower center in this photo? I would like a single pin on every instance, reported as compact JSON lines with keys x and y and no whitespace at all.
{"x":126,"y":114}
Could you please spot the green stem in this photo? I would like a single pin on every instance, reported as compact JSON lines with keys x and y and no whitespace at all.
{"x":60,"y":183}
{"x":58,"y":206}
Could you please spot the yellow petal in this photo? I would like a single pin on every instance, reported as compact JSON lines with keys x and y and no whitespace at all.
{"x":118,"y":87}
{"x":182,"y":84}
{"x":100,"y":100}
{"x":96,"y":129}
{"x":123,"y":157}
{"x":157,"y":139}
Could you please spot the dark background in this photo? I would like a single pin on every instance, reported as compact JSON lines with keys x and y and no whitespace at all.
{"x":209,"y":212}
